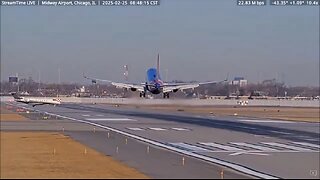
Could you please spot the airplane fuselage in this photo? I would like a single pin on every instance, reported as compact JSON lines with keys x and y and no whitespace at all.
{"x":38,"y":101}
{"x":155,"y":88}
{"x":154,"y":83}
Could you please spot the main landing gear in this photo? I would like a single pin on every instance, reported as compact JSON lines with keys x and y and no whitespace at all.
{"x":142,"y":94}
{"x":165,"y":95}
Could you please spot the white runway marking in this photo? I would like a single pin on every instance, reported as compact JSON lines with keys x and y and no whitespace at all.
{"x":220,"y":146}
{"x":261,"y":148}
{"x":248,"y":153}
{"x":189,"y":147}
{"x":85,"y":115}
{"x":136,"y":129}
{"x":180,"y":129}
{"x":100,"y":115}
{"x":307,"y":144}
{"x":245,"y":127}
{"x":279,"y":132}
{"x":266,"y":121}
{"x":110,"y":119}
{"x":286,"y":146}
{"x":157,"y":129}
{"x":237,"y":150}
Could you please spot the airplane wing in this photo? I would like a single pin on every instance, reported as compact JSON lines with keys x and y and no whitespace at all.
{"x":183,"y":86}
{"x":138,"y":87}
{"x":128,"y":86}
{"x":170,"y":88}
{"x":37,"y":104}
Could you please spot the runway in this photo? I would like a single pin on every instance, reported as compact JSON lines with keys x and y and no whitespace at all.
{"x":262,"y":148}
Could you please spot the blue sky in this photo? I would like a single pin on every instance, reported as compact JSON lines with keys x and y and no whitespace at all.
{"x":197,"y":40}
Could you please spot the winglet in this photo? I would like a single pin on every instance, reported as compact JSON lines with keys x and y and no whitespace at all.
{"x":92,"y":80}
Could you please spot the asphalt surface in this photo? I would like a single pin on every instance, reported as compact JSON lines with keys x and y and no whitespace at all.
{"x":273,"y":148}
{"x":151,"y":160}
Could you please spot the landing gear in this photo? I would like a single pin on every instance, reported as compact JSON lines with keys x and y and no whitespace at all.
{"x":165,"y":95}
{"x":142,"y":94}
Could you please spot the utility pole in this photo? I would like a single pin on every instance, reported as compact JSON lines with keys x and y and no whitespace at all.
{"x":17,"y":81}
{"x":59,"y":72}
{"x":39,"y":80}
{"x":166,"y":75}
{"x":126,"y":73}
{"x":59,"y":81}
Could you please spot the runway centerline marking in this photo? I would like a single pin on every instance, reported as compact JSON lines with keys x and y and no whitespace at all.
{"x":180,"y":129}
{"x":157,"y":129}
{"x":110,"y":119}
{"x":248,"y":153}
{"x":135,"y":129}
{"x":279,"y":132}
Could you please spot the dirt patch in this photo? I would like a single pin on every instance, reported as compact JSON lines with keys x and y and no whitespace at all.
{"x":53,"y":155}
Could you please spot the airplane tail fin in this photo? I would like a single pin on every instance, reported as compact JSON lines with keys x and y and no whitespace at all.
{"x":15,"y":95}
{"x":158,"y":66}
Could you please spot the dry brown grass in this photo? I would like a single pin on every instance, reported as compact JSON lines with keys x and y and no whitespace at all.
{"x":282,"y":113}
{"x":7,"y":115}
{"x":31,"y":155}
{"x":11,"y":117}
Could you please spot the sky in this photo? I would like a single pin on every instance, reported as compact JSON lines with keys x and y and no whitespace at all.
{"x":197,"y":40}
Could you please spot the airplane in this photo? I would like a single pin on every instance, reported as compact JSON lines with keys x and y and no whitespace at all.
{"x":35,"y":101}
{"x":154,"y":84}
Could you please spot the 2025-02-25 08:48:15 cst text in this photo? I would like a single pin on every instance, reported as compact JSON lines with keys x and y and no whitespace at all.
{"x":129,"y":2}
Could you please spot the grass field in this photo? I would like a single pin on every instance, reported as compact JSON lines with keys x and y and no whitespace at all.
{"x":53,"y":155}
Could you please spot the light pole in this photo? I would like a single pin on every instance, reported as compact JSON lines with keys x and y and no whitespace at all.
{"x":39,"y":80}
{"x":17,"y":81}
{"x":167,"y":75}
{"x":59,"y":81}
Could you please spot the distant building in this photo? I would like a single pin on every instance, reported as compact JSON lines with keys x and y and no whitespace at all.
{"x":238,"y":78}
{"x":269,"y":82}
{"x":82,"y":89}
{"x":82,"y":92}
{"x":240,"y":81}
{"x":25,"y":93}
